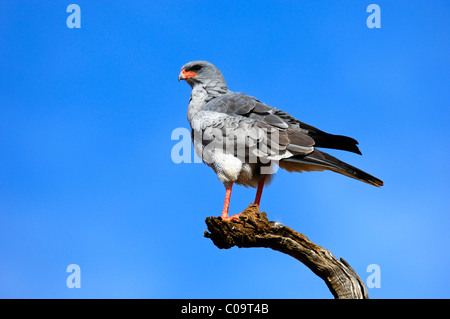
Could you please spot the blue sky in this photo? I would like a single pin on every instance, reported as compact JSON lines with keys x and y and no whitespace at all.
{"x":86,"y":117}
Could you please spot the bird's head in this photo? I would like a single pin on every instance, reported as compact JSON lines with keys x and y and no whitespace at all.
{"x":201,"y":72}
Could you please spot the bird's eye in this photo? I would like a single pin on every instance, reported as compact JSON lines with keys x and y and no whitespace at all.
{"x":196,"y":67}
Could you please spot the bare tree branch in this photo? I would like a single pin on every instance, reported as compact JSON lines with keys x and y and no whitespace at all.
{"x":255,"y":230}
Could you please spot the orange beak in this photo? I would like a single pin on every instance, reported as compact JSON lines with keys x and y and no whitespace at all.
{"x":186,"y":75}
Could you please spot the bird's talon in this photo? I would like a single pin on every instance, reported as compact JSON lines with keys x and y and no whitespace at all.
{"x":235,"y":217}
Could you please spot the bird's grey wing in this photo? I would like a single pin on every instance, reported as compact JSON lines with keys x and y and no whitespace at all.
{"x":288,"y":137}
{"x":245,"y":138}
{"x":246,"y":106}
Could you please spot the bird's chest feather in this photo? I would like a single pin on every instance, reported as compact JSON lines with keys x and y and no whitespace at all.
{"x":217,"y":149}
{"x":198,"y":100}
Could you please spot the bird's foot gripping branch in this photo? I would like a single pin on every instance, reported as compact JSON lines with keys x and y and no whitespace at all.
{"x":253,"y":229}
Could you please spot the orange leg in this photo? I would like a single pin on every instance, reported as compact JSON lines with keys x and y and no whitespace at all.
{"x":259,"y":190}
{"x":227,"y":205}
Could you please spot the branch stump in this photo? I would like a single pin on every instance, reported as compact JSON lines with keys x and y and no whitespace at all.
{"x":255,"y":230}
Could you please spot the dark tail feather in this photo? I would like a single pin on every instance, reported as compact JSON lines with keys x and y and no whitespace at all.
{"x":321,"y":159}
{"x":338,"y":142}
{"x":326,"y":140}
